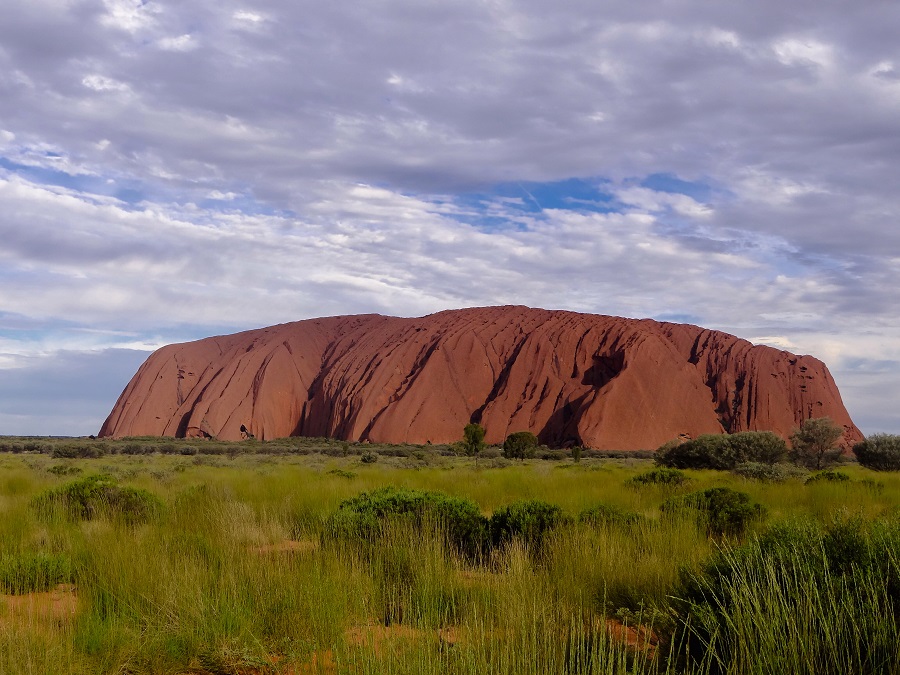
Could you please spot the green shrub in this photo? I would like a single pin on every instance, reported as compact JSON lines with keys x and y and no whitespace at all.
{"x":528,"y":519}
{"x":33,"y":572}
{"x":98,"y":495}
{"x":722,"y":451}
{"x":520,"y":445}
{"x":369,"y":457}
{"x":880,"y":452}
{"x":363,"y":516}
{"x":78,"y":451}
{"x":136,"y":449}
{"x":764,"y":447}
{"x":343,"y":473}
{"x":722,"y":511}
{"x":552,"y":455}
{"x":607,"y":515}
{"x":813,"y":444}
{"x":661,"y":476}
{"x":473,"y":440}
{"x":708,"y":451}
{"x":828,"y":476}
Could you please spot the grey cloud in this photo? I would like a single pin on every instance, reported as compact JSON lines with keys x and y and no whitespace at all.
{"x":789,"y":108}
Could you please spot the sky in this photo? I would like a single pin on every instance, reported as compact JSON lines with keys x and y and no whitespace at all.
{"x":175,"y":169}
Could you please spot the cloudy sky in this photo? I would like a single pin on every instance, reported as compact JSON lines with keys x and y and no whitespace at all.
{"x":173,"y":169}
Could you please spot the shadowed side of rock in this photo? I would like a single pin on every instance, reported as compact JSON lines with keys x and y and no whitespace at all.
{"x":604,"y":382}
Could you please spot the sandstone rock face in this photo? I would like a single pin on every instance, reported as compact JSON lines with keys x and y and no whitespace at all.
{"x":599,"y":381}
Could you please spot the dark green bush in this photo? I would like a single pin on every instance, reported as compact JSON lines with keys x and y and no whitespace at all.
{"x":607,"y":515}
{"x":136,"y":449}
{"x":661,"y":476}
{"x":520,"y":445}
{"x":722,"y":451}
{"x":721,"y":510}
{"x":75,"y":451}
{"x":369,"y":457}
{"x":828,"y":476}
{"x":813,"y":445}
{"x":528,"y":519}
{"x":98,"y":495}
{"x":33,"y":572}
{"x":708,"y":451}
{"x":763,"y":447}
{"x":362,"y":517}
{"x":552,"y":455}
{"x":880,"y":452}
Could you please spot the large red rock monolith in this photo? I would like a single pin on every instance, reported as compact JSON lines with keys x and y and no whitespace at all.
{"x":600,"y":381}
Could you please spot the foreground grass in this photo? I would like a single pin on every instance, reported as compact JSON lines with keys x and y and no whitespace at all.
{"x":233,"y":576}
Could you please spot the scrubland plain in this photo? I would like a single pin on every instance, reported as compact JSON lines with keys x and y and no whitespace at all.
{"x":233,"y":567}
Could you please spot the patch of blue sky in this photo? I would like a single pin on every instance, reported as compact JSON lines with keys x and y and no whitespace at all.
{"x":863,"y":365}
{"x":127,"y":191}
{"x":500,"y":205}
{"x":243,"y":203}
{"x":133,"y":194}
{"x":678,"y":317}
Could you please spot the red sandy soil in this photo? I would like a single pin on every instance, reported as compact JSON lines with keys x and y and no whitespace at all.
{"x":46,"y":609}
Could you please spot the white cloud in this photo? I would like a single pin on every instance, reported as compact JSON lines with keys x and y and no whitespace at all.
{"x":777,"y":341}
{"x":128,"y":15}
{"x":246,"y":16}
{"x":103,"y":83}
{"x":656,"y":201}
{"x":222,"y":196}
{"x":800,"y":51}
{"x":181,"y":43}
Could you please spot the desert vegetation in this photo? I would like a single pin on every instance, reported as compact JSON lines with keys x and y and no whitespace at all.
{"x":298,"y":556}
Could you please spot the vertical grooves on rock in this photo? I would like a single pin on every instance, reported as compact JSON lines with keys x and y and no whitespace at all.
{"x":616,"y":383}
{"x":501,"y":381}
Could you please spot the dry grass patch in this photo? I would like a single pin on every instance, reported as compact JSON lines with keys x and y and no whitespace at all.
{"x":56,"y":607}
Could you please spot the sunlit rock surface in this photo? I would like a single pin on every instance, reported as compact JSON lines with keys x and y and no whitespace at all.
{"x":599,"y":381}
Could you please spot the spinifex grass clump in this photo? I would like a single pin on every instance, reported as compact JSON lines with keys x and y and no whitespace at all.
{"x":662,"y":476}
{"x":529,"y":520}
{"x":608,"y":515}
{"x":721,"y":510}
{"x":828,"y":476}
{"x":801,"y":598}
{"x":363,"y":517}
{"x":98,"y":495}
{"x":33,"y":572}
{"x":769,"y":473}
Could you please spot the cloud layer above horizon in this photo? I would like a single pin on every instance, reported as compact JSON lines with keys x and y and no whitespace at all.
{"x":174,"y":170}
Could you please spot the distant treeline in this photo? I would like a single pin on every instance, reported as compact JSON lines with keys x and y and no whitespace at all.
{"x":88,"y":447}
